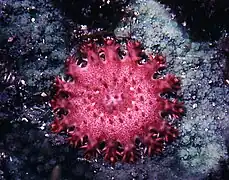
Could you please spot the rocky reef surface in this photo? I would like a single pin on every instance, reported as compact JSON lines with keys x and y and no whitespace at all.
{"x":35,"y":39}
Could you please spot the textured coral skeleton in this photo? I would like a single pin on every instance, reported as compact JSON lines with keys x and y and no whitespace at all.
{"x":114,"y":101}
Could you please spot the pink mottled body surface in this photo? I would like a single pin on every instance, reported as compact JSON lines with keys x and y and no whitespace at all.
{"x":116,"y":100}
